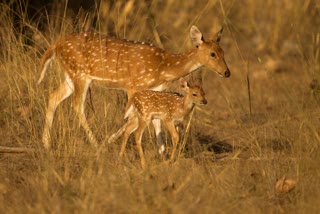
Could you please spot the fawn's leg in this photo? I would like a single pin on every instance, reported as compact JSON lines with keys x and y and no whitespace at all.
{"x":174,"y":136}
{"x":55,"y":98}
{"x":81,"y":89}
{"x":142,"y":125}
{"x":131,"y":126}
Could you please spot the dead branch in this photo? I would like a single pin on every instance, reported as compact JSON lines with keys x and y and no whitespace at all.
{"x":7,"y":149}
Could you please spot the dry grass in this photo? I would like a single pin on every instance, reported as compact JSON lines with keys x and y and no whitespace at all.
{"x":232,"y":159}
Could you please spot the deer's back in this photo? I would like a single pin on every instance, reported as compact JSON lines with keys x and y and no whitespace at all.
{"x":112,"y":61}
{"x":157,"y":104}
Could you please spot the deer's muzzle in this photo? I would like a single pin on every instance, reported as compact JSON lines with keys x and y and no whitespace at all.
{"x":204,"y":101}
{"x":227,"y":73}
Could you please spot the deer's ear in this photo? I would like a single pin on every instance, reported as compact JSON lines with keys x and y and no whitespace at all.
{"x":198,"y":82}
{"x":217,"y":36}
{"x":183,"y":83}
{"x":196,"y":36}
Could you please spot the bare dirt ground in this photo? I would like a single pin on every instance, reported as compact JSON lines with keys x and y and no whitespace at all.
{"x":259,"y":125}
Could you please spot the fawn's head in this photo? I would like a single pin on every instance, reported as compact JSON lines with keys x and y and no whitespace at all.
{"x":210,"y":54}
{"x":195,"y":92}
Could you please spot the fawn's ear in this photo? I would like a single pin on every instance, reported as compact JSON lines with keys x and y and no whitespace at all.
{"x":183,"y":83}
{"x":217,"y":36}
{"x":198,"y":82}
{"x":196,"y":36}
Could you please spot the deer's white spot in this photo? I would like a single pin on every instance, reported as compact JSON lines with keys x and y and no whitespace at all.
{"x":151,"y":81}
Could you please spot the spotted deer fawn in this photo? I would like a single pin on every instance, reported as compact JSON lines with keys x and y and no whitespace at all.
{"x":117,"y":63}
{"x":170,"y":108}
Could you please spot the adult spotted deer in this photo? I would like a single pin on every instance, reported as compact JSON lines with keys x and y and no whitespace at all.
{"x":117,"y":63}
{"x":169,"y":107}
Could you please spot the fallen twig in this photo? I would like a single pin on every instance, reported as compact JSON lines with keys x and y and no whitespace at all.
{"x":7,"y":149}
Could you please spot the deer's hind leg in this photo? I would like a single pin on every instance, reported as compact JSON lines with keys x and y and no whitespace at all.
{"x":81,"y":88}
{"x":55,"y":98}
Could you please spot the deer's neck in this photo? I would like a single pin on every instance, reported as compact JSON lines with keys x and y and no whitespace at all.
{"x":187,"y":103}
{"x":179,"y":65}
{"x":187,"y":106}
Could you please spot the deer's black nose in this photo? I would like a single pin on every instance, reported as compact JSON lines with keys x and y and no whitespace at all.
{"x":204,"y":101}
{"x":227,"y":73}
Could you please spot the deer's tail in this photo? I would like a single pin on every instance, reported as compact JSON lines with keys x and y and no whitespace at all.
{"x":47,"y":57}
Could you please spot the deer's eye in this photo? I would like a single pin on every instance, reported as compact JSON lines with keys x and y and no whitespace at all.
{"x":194,"y":95}
{"x":213,"y":54}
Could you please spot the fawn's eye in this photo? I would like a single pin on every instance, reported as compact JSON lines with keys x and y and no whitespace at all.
{"x":213,"y":54}
{"x":194,"y":95}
